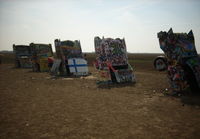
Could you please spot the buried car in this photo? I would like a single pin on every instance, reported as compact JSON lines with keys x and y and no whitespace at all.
{"x":40,"y":55}
{"x":70,"y":60}
{"x":182,"y":58}
{"x":112,"y":59}
{"x":22,"y":54}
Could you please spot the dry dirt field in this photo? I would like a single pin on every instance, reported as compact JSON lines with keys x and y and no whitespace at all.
{"x":34,"y":105}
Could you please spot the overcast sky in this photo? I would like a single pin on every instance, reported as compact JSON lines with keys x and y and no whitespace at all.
{"x":138,"y":21}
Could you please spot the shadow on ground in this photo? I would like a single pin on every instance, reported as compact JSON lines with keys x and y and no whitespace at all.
{"x":191,"y":98}
{"x":187,"y":97}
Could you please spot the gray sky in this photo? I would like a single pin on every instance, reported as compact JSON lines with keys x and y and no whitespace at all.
{"x":138,"y":21}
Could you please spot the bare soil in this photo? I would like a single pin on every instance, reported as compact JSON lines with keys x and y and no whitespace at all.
{"x":35,"y":105}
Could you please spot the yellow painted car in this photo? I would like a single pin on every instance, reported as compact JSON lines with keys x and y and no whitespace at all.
{"x":40,"y":55}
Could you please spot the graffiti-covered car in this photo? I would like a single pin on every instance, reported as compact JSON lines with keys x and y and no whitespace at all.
{"x":70,"y":58}
{"x":111,"y":57}
{"x":22,"y":56}
{"x":40,"y":55}
{"x":182,"y":58}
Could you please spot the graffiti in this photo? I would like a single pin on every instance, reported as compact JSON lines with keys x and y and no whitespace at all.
{"x":40,"y":55}
{"x":182,"y":57}
{"x":69,"y":49}
{"x":112,"y":50}
{"x":22,"y":54}
{"x":124,"y":76}
{"x":176,"y":77}
{"x":111,"y":56}
{"x":70,"y":54}
{"x":25,"y":62}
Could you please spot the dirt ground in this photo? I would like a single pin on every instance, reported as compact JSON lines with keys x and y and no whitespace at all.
{"x":34,"y":105}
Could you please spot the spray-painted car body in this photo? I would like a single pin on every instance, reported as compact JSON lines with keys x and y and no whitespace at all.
{"x":111,"y":56}
{"x":22,"y":54}
{"x":70,"y":54}
{"x":40,"y":55}
{"x":182,"y":58}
